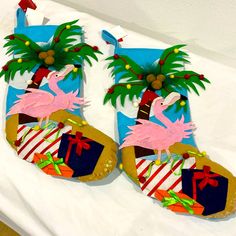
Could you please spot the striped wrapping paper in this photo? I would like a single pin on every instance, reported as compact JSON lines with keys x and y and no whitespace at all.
{"x":162,"y":177}
{"x":35,"y":142}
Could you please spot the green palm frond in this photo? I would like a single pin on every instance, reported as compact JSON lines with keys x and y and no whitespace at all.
{"x":180,"y":81}
{"x":125,"y":67}
{"x":20,"y":44}
{"x":123,"y":90}
{"x":66,"y":35}
{"x":173,"y":60}
{"x":87,"y":52}
{"x":15,"y":67}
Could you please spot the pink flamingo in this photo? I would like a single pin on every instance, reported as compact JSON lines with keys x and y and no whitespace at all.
{"x":153,"y":136}
{"x":41,"y":104}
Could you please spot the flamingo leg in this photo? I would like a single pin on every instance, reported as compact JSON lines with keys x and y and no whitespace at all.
{"x":40,"y":122}
{"x":168,"y":154}
{"x":158,"y":160}
{"x":47,"y":120}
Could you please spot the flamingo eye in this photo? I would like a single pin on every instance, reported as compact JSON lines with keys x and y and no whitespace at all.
{"x":162,"y":103}
{"x":57,"y":75}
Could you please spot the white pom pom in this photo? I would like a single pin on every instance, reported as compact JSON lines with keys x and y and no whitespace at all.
{"x":29,"y":82}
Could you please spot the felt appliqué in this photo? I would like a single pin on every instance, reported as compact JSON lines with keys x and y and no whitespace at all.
{"x":39,"y":141}
{"x":179,"y":202}
{"x":166,"y":76}
{"x":150,"y":135}
{"x":57,"y":54}
{"x":52,"y":165}
{"x":80,"y":153}
{"x":207,"y":188}
{"x":163,"y":177}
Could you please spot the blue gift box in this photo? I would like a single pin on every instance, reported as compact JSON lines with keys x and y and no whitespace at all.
{"x":212,"y":194}
{"x":84,"y":161}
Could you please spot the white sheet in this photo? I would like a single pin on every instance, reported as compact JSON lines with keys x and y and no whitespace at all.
{"x":36,"y":204}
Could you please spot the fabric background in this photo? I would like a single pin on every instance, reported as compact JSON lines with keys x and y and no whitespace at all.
{"x":36,"y":204}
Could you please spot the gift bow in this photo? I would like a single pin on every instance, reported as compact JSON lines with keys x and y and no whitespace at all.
{"x":207,"y":178}
{"x":174,"y":198}
{"x":50,"y":161}
{"x":80,"y":145}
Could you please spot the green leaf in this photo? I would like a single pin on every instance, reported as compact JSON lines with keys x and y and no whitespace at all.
{"x":121,"y":91}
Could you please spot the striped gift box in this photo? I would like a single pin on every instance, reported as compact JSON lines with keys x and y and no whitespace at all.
{"x":35,"y":141}
{"x":162,"y":177}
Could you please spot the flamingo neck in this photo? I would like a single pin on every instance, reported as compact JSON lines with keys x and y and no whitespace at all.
{"x":164,"y":120}
{"x":55,"y":88}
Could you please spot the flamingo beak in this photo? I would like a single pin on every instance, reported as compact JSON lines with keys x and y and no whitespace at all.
{"x":171,"y":99}
{"x":66,"y":71}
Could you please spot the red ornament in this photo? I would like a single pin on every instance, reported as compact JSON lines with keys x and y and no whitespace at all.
{"x":187,"y":76}
{"x":11,"y":37}
{"x":95,"y":48}
{"x":57,"y":39}
{"x":116,"y":56}
{"x":25,"y":4}
{"x":161,"y":62}
{"x":60,"y":125}
{"x":142,"y":179}
{"x":140,"y":76}
{"x":201,"y":77}
{"x":5,"y":68}
{"x":185,"y":155}
{"x":77,"y":49}
{"x":111,"y":90}
{"x":17,"y":143}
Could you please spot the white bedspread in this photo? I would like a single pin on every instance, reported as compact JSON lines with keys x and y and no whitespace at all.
{"x":36,"y":204}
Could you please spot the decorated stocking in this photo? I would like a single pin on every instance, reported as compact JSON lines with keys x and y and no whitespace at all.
{"x":43,"y":122}
{"x":158,"y":149}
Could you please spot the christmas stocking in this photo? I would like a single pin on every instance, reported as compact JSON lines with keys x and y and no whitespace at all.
{"x":158,"y":149}
{"x":43,"y":122}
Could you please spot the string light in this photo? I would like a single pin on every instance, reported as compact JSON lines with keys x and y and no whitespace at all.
{"x":176,"y":50}
{"x":27,"y":43}
{"x":128,"y":86}
{"x":127,"y":67}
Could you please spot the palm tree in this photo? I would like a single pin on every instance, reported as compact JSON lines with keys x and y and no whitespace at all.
{"x":163,"y":77}
{"x":63,"y":49}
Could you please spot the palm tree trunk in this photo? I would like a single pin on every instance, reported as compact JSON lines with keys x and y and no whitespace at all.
{"x":144,"y":113}
{"x":37,"y":78}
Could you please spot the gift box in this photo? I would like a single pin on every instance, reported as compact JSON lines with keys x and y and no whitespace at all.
{"x":207,"y":188}
{"x":52,"y":165}
{"x":179,"y":202}
{"x":164,"y":177}
{"x":80,"y":153}
{"x":31,"y":141}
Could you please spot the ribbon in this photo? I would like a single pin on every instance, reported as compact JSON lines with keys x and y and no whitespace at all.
{"x":80,"y":145}
{"x":181,"y":166}
{"x":206,"y":177}
{"x":197,"y":154}
{"x":43,"y":163}
{"x":51,"y":126}
{"x":174,"y":198}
